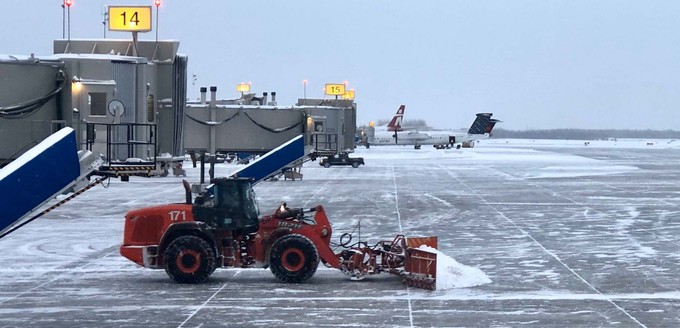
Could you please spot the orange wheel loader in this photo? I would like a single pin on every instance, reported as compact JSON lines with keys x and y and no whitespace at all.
{"x":221,"y":227}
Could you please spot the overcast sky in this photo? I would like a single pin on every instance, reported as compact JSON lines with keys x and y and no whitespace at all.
{"x":534,"y":64}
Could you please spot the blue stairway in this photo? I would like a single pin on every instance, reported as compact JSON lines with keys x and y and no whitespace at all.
{"x":274,"y":161}
{"x":44,"y":171}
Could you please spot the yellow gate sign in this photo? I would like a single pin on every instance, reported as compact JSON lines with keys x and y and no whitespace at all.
{"x":130,"y":18}
{"x":349,"y":94}
{"x":335,"y":89}
{"x":243,"y":87}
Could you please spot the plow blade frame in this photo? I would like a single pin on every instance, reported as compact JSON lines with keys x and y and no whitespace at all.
{"x":420,"y":265}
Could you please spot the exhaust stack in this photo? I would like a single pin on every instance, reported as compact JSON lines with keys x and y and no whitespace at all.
{"x":204,"y":90}
{"x":213,"y":95}
{"x":273,"y":102}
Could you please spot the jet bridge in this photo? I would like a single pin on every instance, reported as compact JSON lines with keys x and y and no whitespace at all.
{"x":43,"y":172}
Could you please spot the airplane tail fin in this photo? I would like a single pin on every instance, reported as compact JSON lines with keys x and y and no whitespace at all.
{"x":481,"y":123}
{"x":395,"y":123}
{"x":492,"y":123}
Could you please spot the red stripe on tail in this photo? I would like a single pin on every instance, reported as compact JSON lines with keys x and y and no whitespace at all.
{"x":395,"y":123}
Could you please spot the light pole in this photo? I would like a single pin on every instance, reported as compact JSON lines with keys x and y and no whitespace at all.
{"x":158,"y":4}
{"x":106,"y":19}
{"x":304,"y":90}
{"x":68,"y":4}
{"x":63,"y":20}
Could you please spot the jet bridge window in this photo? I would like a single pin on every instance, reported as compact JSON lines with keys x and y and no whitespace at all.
{"x":97,"y":103}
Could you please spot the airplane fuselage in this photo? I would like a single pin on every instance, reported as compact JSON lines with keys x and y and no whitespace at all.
{"x":416,"y":138}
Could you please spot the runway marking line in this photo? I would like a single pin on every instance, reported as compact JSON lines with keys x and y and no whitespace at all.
{"x":553,"y":255}
{"x":401,"y":231}
{"x":207,"y":301}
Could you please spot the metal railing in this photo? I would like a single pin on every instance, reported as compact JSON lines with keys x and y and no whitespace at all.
{"x":324,"y":141}
{"x":125,"y":141}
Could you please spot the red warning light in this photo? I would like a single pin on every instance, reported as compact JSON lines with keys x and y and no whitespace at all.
{"x":157,"y":3}
{"x":68,"y":3}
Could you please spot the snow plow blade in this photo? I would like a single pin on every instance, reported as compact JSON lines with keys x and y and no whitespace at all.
{"x":420,"y":262}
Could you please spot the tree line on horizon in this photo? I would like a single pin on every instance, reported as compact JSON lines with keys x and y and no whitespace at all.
{"x":411,"y":123}
{"x":584,"y":134}
{"x":564,"y":134}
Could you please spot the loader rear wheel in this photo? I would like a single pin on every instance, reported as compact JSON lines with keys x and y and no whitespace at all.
{"x":293,"y":258}
{"x":355,"y":164}
{"x":189,"y":260}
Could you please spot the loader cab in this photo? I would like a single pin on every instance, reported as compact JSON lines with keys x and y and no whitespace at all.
{"x":229,"y":204}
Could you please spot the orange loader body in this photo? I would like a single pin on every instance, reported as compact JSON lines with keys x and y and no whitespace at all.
{"x":190,"y":240}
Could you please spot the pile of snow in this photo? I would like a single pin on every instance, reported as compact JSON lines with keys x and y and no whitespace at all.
{"x":451,"y":274}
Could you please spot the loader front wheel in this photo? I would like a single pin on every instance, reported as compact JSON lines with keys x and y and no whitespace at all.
{"x":293,"y":258}
{"x":189,"y":260}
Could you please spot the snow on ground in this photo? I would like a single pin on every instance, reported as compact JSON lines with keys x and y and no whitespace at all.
{"x":568,"y":235}
{"x":623,"y":143}
{"x":451,"y":274}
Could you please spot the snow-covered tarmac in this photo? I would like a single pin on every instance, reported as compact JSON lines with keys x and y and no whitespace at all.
{"x":570,"y":236}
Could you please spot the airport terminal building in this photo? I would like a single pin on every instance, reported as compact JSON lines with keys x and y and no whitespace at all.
{"x":128,"y":99}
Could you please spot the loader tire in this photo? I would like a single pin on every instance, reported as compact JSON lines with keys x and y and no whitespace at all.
{"x":327,"y":165}
{"x":355,"y":164}
{"x":189,"y":260}
{"x":293,"y":258}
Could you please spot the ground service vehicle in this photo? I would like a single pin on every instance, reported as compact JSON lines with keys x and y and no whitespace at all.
{"x":221,"y":228}
{"x":341,"y":159}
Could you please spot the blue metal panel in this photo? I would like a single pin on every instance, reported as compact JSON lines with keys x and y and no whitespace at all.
{"x":37,"y":176}
{"x":274,"y":160}
{"x":480,"y":123}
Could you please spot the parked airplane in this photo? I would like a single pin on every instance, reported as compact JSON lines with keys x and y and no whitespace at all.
{"x":367,"y":133}
{"x":390,"y":135}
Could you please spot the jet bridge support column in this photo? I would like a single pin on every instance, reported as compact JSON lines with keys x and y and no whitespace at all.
{"x":213,"y":117}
